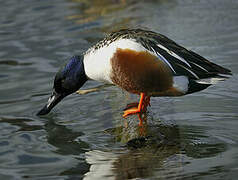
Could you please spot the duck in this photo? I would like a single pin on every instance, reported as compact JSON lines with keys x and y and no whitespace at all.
{"x":138,"y":61}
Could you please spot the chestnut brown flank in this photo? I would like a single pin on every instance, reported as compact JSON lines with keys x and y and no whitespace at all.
{"x":138,"y":72}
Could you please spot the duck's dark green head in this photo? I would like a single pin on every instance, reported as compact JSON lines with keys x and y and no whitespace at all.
{"x":67,"y":80}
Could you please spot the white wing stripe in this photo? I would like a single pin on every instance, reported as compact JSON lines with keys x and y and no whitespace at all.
{"x":200,"y":67}
{"x":163,"y":59}
{"x":195,"y":75}
{"x":210,"y":80}
{"x":173,"y":54}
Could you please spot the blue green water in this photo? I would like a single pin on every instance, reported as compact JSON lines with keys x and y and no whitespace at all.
{"x":195,"y":136}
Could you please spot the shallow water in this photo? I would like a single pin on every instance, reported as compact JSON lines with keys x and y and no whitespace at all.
{"x":194,"y":137}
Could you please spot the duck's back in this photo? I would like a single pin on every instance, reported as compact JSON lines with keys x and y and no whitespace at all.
{"x":176,"y":65}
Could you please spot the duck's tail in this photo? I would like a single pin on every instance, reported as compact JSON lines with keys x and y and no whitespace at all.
{"x":200,"y":84}
{"x":213,"y":80}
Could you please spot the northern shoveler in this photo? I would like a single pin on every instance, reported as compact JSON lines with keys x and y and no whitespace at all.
{"x":141,"y":62}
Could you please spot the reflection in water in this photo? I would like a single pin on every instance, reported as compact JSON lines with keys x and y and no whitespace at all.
{"x":64,"y":139}
{"x":22,"y":123}
{"x":37,"y":36}
{"x":29,"y":158}
{"x":151,"y":151}
{"x":108,"y":15}
{"x":149,"y":146}
{"x":93,"y":13}
{"x":95,"y":9}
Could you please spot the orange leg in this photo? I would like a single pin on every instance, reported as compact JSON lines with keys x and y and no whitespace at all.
{"x":142,"y":106}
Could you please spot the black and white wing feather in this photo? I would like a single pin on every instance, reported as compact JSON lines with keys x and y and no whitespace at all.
{"x":179,"y":59}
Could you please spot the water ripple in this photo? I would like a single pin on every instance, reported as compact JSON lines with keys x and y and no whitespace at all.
{"x":85,"y":136}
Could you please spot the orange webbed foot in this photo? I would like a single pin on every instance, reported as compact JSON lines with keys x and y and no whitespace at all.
{"x":131,"y":105}
{"x":141,"y":108}
{"x":130,"y":111}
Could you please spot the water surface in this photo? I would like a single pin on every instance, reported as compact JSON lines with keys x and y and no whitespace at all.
{"x":193,"y":137}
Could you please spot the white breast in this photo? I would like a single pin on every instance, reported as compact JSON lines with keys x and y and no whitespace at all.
{"x":97,"y":62}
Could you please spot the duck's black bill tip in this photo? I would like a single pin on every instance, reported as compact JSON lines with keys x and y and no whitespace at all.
{"x":54,"y":99}
{"x":43,"y":111}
